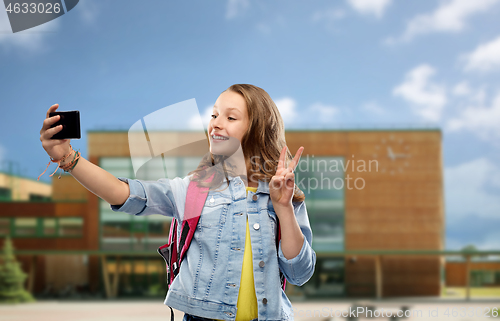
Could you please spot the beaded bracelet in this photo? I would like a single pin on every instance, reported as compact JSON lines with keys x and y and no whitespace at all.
{"x":63,"y":167}
{"x":69,"y":166}
{"x":58,"y":162}
{"x":76,"y":162}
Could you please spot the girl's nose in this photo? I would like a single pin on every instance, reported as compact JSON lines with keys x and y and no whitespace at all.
{"x":216,"y":123}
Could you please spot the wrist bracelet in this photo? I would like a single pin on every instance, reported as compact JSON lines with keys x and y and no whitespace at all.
{"x":63,"y":167}
{"x":56,"y":161}
{"x":76,"y":162}
{"x":67,"y":167}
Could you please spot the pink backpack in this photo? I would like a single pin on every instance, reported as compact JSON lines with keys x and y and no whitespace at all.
{"x":174,"y":251}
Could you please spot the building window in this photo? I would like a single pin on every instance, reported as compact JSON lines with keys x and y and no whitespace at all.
{"x":39,"y":198}
{"x":33,"y":227}
{"x":5,"y":194}
{"x":71,"y":226}
{"x":483,"y":278}
{"x":322,"y":181}
{"x":4,"y":226}
{"x":25,"y":226}
{"x":49,"y":227}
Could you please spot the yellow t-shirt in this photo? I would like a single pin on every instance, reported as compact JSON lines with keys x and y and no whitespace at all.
{"x":247,"y":300}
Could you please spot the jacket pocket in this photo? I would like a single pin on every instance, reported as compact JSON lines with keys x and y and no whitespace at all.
{"x":215,"y":206}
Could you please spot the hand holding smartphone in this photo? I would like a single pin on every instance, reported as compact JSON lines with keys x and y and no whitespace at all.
{"x":70,"y":120}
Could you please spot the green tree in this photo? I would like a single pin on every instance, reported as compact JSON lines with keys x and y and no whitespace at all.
{"x":471,"y":249}
{"x":12,"y":277}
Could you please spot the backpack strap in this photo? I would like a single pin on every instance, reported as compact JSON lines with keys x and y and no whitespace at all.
{"x":195,"y":200}
{"x":169,"y":253}
{"x":278,"y":239}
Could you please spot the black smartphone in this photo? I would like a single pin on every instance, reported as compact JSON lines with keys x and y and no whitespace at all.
{"x":71,"y":124}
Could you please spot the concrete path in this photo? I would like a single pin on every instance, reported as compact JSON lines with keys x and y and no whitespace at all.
{"x":326,"y":310}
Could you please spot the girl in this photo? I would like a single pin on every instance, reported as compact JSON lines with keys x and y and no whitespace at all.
{"x":231,"y":270}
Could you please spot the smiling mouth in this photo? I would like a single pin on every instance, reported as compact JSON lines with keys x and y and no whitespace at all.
{"x":218,"y":138}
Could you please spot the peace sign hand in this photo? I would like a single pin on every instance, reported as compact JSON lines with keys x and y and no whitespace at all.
{"x":281,"y":186}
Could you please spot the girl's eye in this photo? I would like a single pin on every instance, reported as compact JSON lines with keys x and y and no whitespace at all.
{"x":230,"y":118}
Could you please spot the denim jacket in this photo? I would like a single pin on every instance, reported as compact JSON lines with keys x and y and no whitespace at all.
{"x":208,"y":281}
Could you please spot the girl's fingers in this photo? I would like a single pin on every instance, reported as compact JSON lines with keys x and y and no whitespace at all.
{"x":51,"y":132}
{"x":49,"y":143}
{"x":293,"y":164}
{"x":49,"y":122}
{"x":277,"y":182}
{"x":272,"y":183}
{"x":281,"y":161}
{"x":296,"y":159}
{"x":290,"y":180}
{"x":282,"y":172}
{"x":52,"y":109}
{"x":286,"y":171}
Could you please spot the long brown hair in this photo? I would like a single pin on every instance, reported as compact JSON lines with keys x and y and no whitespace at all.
{"x":262,"y":143}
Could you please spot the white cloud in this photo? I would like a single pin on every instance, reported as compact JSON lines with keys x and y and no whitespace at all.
{"x":480,"y":120}
{"x":235,"y":7}
{"x":462,"y":89}
{"x":194,"y":122}
{"x":31,"y":40}
{"x":326,"y":112}
{"x":287,"y":108}
{"x":478,"y":96}
{"x":465,"y":188}
{"x":485,"y":57}
{"x":427,"y":98}
{"x":450,"y":16}
{"x":468,"y":94}
{"x":370,"y":7}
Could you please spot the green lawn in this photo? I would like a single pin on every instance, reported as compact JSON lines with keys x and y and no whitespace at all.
{"x":479,"y":292}
{"x":475,"y":292}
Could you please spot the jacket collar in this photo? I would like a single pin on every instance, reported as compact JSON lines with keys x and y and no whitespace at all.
{"x":262,"y":188}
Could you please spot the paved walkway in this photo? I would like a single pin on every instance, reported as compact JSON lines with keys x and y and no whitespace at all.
{"x":435,"y":310}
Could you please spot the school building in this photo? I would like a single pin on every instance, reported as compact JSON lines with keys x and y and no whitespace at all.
{"x":366,"y":191}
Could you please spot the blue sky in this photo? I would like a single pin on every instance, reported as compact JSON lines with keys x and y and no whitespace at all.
{"x":371,"y":63}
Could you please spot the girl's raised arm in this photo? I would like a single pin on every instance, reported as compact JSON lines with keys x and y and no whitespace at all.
{"x":92,"y":177}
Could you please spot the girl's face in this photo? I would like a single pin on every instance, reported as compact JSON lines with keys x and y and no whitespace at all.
{"x":229,"y":120}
